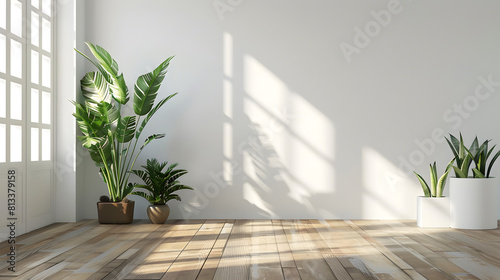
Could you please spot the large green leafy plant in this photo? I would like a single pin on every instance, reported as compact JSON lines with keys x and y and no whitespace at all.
{"x":478,"y":154}
{"x":160,"y":185}
{"x":436,"y":187}
{"x":110,"y":137}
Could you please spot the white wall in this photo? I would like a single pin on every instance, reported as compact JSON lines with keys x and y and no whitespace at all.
{"x":287,"y":111}
{"x":69,"y":168}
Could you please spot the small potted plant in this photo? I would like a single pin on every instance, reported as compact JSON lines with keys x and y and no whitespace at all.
{"x":159,"y":187}
{"x":473,"y":200}
{"x":433,"y":209}
{"x":112,"y":137}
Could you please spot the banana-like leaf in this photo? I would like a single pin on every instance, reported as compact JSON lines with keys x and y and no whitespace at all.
{"x":103,"y":128}
{"x":95,"y":88}
{"x":107,"y":114}
{"x":96,"y":157}
{"x":88,"y":141}
{"x":98,"y":151}
{"x":424,"y":185}
{"x":86,"y":121}
{"x":151,"y":113}
{"x":151,"y":138}
{"x":127,"y":190}
{"x":125,"y":129}
{"x":146,"y":88}
{"x":119,"y":88}
{"x":98,"y":66}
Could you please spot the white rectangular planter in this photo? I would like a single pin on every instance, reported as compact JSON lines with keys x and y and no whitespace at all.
{"x":473,"y":203}
{"x":433,"y":211}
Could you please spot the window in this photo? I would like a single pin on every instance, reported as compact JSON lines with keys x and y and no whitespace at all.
{"x":26,"y":86}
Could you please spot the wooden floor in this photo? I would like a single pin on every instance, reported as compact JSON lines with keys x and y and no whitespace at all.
{"x":254,"y":249}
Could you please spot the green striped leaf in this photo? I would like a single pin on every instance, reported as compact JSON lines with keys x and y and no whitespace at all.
{"x":146,"y":88}
{"x":125,"y":129}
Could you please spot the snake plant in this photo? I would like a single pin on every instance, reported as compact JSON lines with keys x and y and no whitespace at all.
{"x":462,"y":158}
{"x":478,"y":154}
{"x":160,"y":185}
{"x":437,"y":185}
{"x":111,"y":137}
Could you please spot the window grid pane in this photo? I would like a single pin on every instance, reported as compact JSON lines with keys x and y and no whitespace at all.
{"x":35,"y":29}
{"x":3,"y":143}
{"x":3,"y":54}
{"x":35,"y":58}
{"x":16,"y":101}
{"x":16,"y":143}
{"x":35,"y":150}
{"x":46,"y":108}
{"x":3,"y":14}
{"x":35,"y":105}
{"x":46,"y":145}
{"x":16,"y":18}
{"x":46,"y":75}
{"x":46,"y":35}
{"x":21,"y":57}
{"x":3,"y":99}
{"x":47,"y":7}
{"x":16,"y":59}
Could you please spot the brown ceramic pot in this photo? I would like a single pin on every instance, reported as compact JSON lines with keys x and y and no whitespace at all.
{"x":158,"y":214}
{"x":115,"y":212}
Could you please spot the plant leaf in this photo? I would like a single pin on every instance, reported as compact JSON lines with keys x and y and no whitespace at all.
{"x":118,"y":86}
{"x":126,"y":129}
{"x":151,"y":113}
{"x":433,"y":179}
{"x":456,"y":142}
{"x":491,"y":163}
{"x":146,"y":88}
{"x":424,"y":185}
{"x":95,"y":88}
{"x":441,"y":183}
{"x":151,"y":138}
{"x":450,"y":164}
{"x":459,"y":172}
{"x":466,"y":164}
{"x":477,"y":173}
{"x":462,"y":147}
{"x":474,"y":149}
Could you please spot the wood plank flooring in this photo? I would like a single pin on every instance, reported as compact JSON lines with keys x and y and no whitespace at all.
{"x":254,"y":249}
